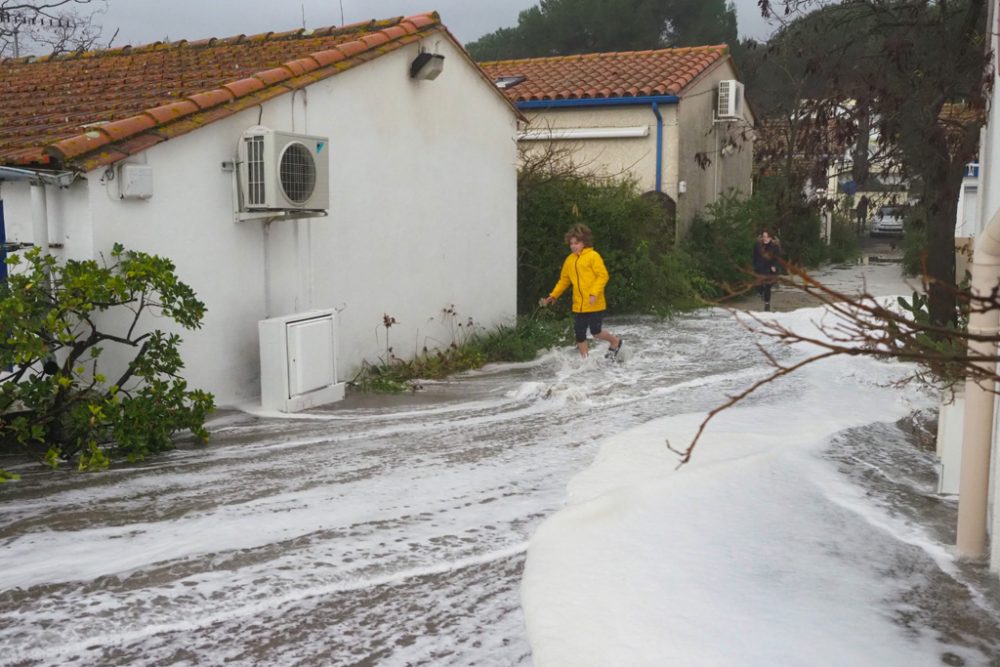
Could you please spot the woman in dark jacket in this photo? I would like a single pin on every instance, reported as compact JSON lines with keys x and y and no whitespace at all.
{"x":766,"y":256}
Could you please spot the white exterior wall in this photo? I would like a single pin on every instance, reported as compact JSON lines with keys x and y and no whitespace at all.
{"x":422,"y":217}
{"x":620,"y":157}
{"x":700,"y":134}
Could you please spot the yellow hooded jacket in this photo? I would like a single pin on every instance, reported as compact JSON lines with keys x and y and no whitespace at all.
{"x":588,"y":275}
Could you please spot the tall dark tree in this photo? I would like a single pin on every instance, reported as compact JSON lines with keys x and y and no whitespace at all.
{"x":563,"y":27}
{"x":913,"y":71}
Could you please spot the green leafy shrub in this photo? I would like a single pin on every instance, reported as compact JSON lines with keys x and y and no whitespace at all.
{"x":521,"y":341}
{"x":56,"y":401}
{"x":792,"y":219}
{"x":720,"y":241}
{"x":633,"y":234}
{"x":844,"y":244}
{"x":649,"y":274}
{"x":941,"y":351}
{"x":915,"y":241}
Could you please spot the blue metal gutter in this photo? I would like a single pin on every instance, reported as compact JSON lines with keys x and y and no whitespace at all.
{"x":591,"y":102}
{"x":598,"y":102}
{"x":659,"y":146}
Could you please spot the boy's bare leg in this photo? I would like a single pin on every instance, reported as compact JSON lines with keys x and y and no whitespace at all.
{"x":583,"y":349}
{"x":613,"y":340}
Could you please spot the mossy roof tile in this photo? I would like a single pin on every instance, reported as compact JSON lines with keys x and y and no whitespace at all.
{"x":605,"y":75}
{"x":83,"y":110}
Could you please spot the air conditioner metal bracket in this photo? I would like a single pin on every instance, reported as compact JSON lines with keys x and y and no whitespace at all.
{"x":275,"y":216}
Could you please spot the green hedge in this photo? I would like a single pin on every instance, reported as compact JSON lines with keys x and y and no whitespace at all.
{"x":632,"y":233}
{"x":636,"y":239}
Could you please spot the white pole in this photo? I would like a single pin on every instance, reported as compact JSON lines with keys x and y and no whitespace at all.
{"x":39,"y":216}
{"x":977,"y":437}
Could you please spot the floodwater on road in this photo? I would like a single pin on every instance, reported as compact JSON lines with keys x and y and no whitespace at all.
{"x":370,"y":532}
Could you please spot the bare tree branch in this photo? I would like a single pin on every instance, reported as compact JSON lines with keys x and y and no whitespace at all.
{"x":49,"y":26}
{"x":863,"y":325}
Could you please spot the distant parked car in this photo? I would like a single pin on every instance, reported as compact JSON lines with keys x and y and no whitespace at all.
{"x":888,"y":221}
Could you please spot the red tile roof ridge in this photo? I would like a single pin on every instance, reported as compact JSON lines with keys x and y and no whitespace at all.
{"x":608,"y":54}
{"x":97,"y":136}
{"x":373,"y":26}
{"x":97,"y":140}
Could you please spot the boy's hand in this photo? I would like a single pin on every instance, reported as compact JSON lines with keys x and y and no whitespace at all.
{"x":545,"y":301}
{"x":593,"y":299}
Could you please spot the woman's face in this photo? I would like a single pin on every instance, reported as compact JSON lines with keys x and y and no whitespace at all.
{"x":765,"y":237}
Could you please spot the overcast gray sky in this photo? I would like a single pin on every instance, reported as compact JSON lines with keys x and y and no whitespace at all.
{"x":144,"y":21}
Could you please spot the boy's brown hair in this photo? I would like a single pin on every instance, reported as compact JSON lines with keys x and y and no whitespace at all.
{"x":581,"y":233}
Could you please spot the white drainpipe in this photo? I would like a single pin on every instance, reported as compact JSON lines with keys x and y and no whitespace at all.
{"x":39,"y":178}
{"x":39,"y":216}
{"x":977,"y":439}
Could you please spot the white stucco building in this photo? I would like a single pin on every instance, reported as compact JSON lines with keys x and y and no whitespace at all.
{"x":422,"y":182}
{"x":675,"y":120}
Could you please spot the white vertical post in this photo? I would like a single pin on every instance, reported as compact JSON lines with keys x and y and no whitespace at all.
{"x":39,"y":216}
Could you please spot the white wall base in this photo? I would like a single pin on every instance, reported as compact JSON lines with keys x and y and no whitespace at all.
{"x":949,"y":442}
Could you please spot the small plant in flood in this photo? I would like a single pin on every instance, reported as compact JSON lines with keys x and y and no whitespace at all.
{"x":469,"y":349}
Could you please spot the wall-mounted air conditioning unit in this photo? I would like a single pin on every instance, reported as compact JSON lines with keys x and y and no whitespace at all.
{"x":730,"y":99}
{"x":283,"y":171}
{"x":298,"y":361}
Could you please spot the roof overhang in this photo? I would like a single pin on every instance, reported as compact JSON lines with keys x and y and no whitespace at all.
{"x":62,"y":179}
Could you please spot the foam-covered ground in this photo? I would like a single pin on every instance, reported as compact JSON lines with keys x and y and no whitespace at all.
{"x":803,"y":532}
{"x":395,"y":532}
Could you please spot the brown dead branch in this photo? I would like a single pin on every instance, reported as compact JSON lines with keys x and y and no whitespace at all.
{"x":863,"y":325}
{"x":685,"y":454}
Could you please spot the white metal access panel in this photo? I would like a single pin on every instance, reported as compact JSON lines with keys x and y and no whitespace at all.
{"x":298,"y":361}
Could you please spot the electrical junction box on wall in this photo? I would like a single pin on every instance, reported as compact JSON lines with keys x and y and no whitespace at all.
{"x":298,"y":361}
{"x":135,"y":181}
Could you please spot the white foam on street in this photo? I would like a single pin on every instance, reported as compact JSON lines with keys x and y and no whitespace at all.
{"x":754,"y":553}
{"x":395,"y":534}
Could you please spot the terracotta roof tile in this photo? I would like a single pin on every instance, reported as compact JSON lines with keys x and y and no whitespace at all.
{"x":606,"y":75}
{"x":120,"y":129}
{"x":211,"y":98}
{"x":375,"y":39}
{"x":353,"y":48}
{"x":79,"y":144}
{"x":173,"y":111}
{"x":328,"y":57}
{"x":395,"y":32}
{"x":420,"y":21}
{"x":302,"y":65}
{"x":33,"y":155}
{"x":273,"y":76}
{"x":84,"y":110}
{"x":245,"y":86}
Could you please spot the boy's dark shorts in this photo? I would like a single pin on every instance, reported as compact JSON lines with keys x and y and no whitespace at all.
{"x":583,"y":320}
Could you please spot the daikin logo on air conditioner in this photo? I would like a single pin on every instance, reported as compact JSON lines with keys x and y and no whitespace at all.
{"x":283,"y":171}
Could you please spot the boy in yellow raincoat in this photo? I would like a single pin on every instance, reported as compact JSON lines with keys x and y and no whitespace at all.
{"x":585,"y":271}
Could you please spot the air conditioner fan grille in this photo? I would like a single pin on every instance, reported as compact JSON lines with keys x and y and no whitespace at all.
{"x":256,"y":192}
{"x":297,"y":173}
